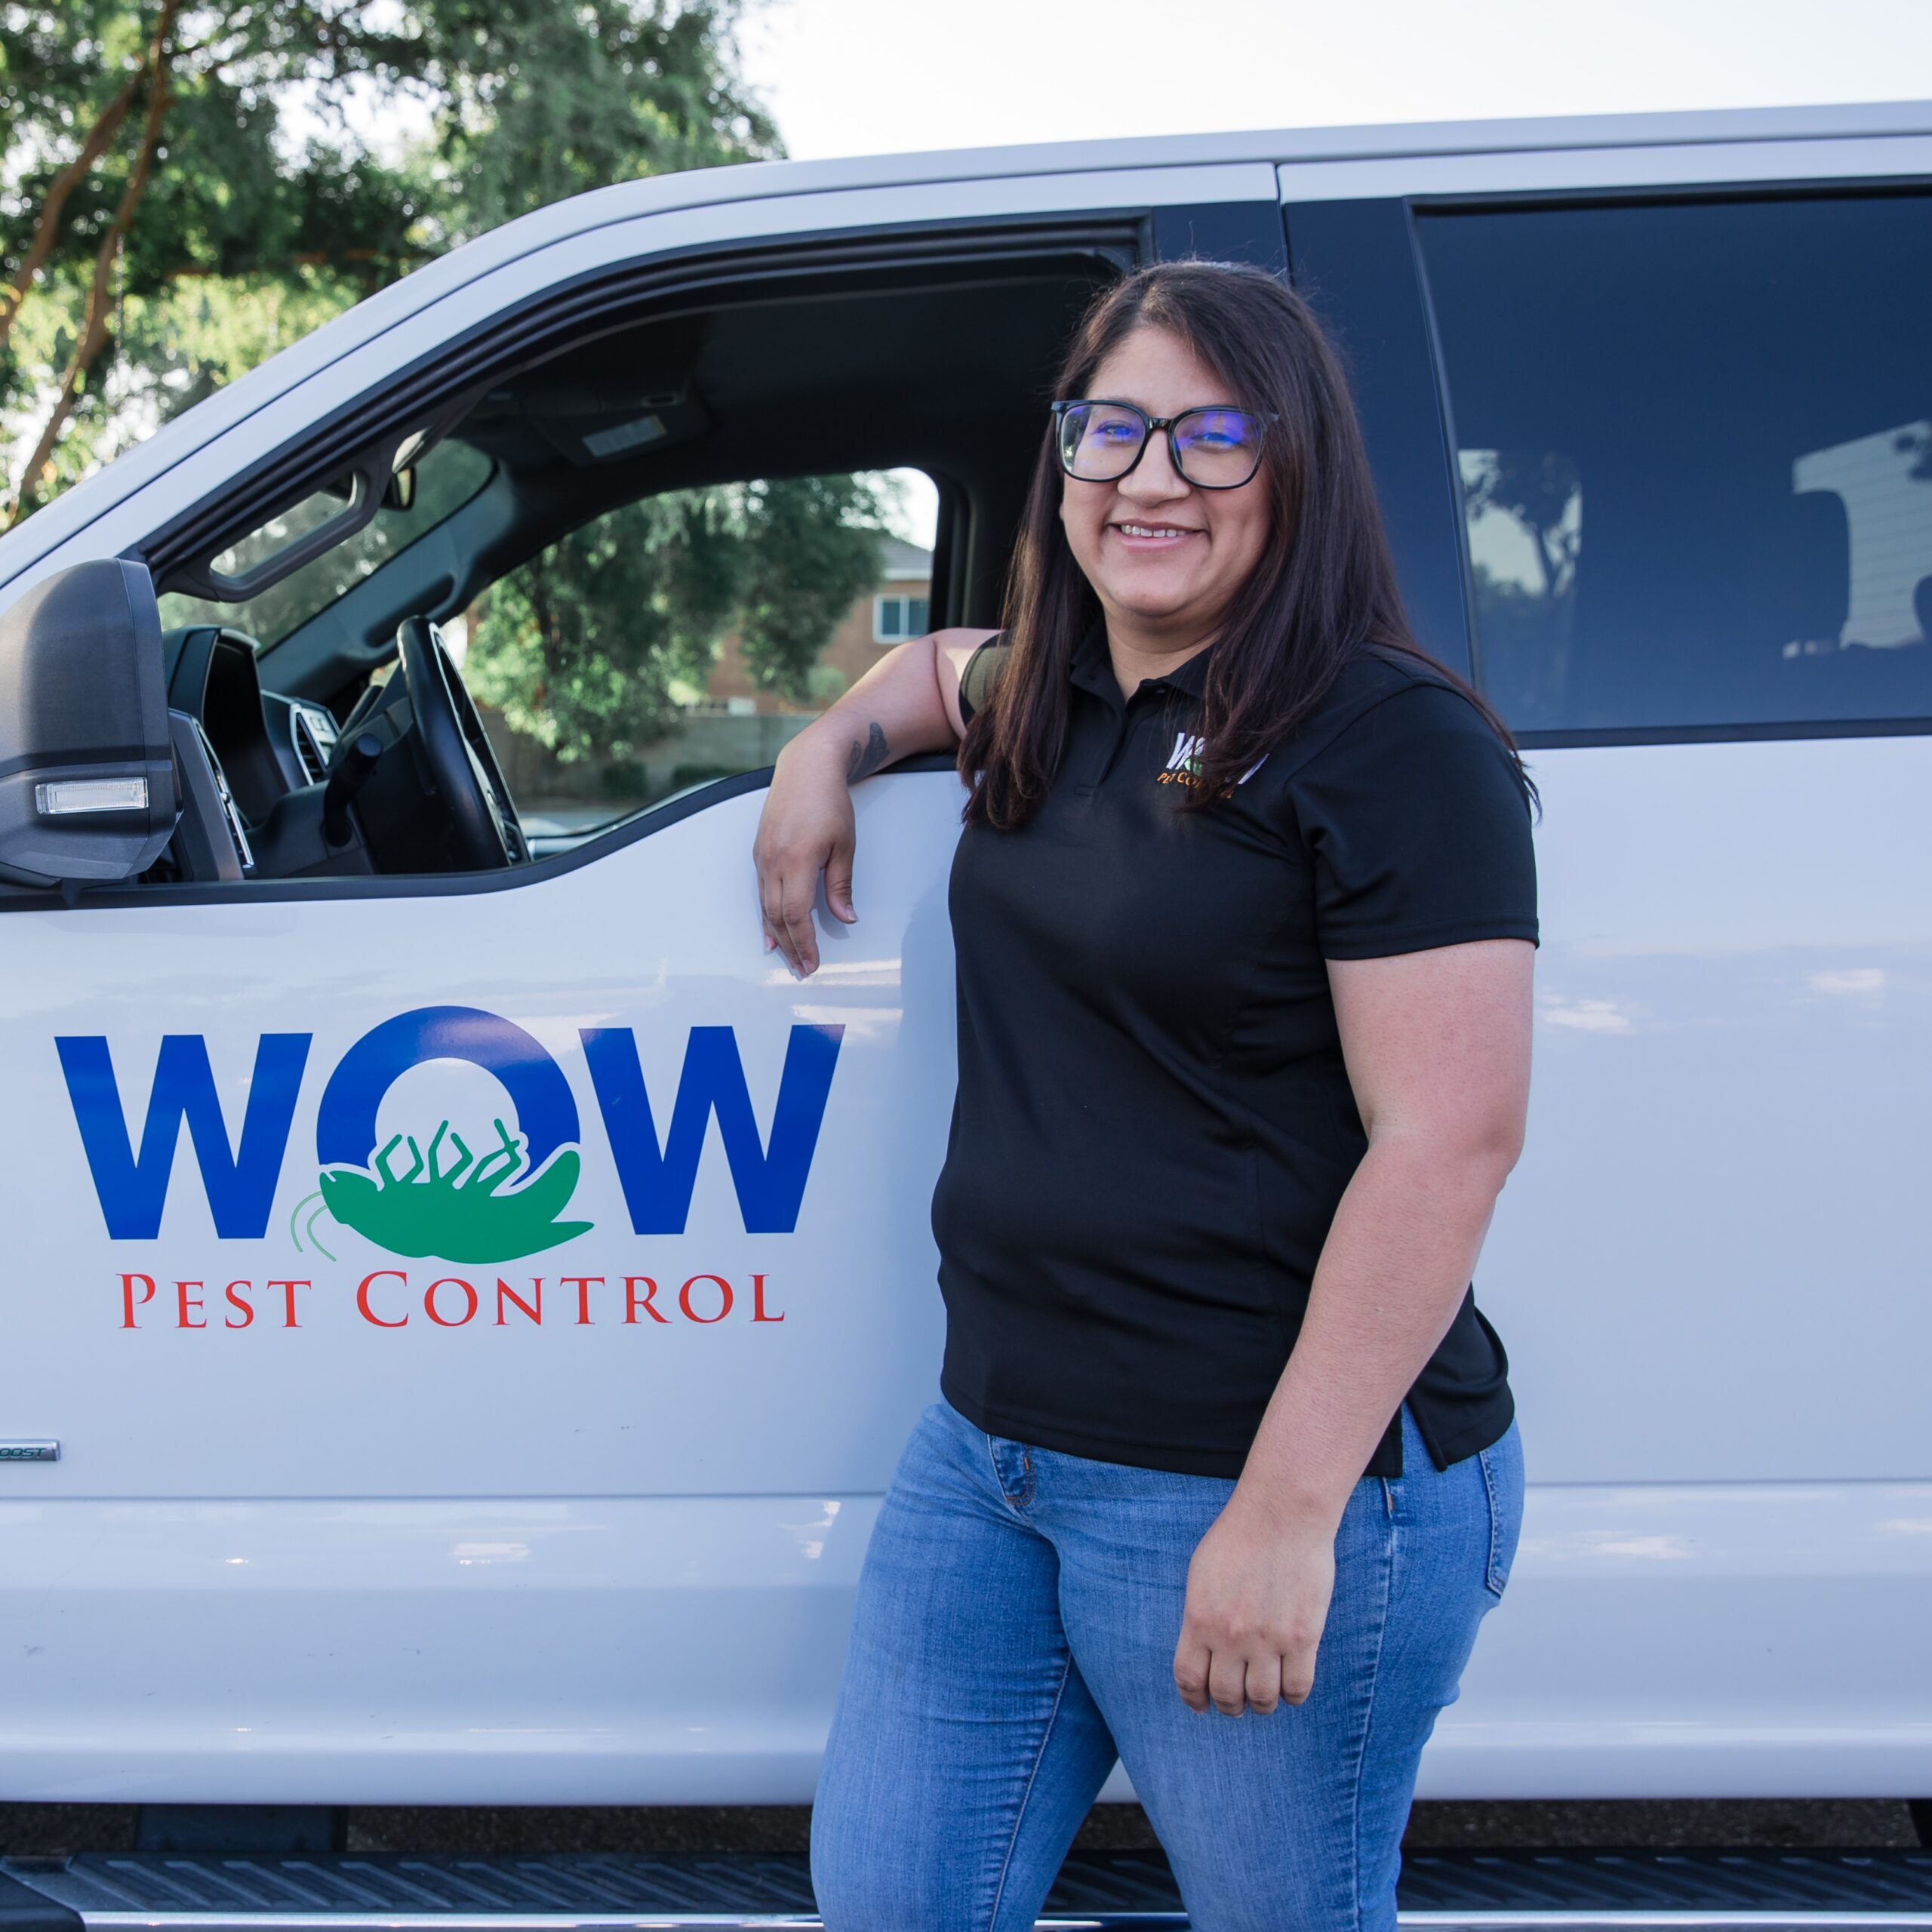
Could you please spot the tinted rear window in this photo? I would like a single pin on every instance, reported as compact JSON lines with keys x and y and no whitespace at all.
{"x":1695,"y":450}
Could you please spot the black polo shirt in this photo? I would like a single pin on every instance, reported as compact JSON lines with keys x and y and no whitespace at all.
{"x":1154,"y":1125}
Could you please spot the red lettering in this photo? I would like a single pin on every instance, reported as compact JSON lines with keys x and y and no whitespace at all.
{"x":362,"y":1297}
{"x":631,"y":1304}
{"x":449,"y":1282}
{"x":723,"y":1290}
{"x":582,"y":1284}
{"x":184,"y":1301}
{"x":758,"y":1302}
{"x":128,"y":1304}
{"x":288,"y":1300}
{"x":235,"y":1301}
{"x":506,"y":1292}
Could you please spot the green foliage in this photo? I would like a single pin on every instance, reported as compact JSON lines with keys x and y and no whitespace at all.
{"x":590,"y":647}
{"x":266,"y":214}
{"x":579,"y":647}
{"x":814,"y":548}
{"x":536,"y":101}
{"x":264,"y":205}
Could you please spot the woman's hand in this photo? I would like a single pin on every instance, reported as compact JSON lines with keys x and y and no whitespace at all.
{"x":1257,"y":1598}
{"x":805,"y":830}
{"x":1438,"y":1048}
{"x":908,"y":702}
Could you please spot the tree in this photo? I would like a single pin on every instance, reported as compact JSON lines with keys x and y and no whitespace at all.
{"x":589,"y":647}
{"x":534,"y":101}
{"x":146,"y":152}
{"x":154,"y":77}
{"x":1540,"y":491}
{"x":184,"y":191}
{"x":814,"y":546}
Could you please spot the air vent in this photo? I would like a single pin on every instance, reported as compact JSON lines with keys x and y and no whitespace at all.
{"x":313,"y":731}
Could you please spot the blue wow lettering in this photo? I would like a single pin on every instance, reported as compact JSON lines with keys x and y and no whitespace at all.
{"x":658,"y":1176}
{"x":658,"y":1179}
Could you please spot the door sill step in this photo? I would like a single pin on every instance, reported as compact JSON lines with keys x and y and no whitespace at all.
{"x":1563,"y":1891}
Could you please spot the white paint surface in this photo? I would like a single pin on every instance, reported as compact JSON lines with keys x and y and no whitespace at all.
{"x":523,"y":1565}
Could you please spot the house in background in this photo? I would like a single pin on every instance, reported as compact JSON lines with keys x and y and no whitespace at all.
{"x":895,"y":610}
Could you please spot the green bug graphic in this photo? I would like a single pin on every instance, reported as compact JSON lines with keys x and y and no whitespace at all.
{"x":457,"y":1213}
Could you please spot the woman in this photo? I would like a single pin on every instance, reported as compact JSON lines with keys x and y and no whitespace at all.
{"x":1244,"y":911}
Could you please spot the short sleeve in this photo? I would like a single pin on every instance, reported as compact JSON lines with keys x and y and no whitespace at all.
{"x":981,"y":674}
{"x":1417,"y":820}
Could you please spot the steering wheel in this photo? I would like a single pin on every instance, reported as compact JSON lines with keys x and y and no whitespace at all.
{"x":462,"y":768}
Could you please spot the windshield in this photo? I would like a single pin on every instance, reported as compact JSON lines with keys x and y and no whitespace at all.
{"x":447,"y":477}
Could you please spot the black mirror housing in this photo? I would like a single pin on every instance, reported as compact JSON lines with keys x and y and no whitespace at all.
{"x":86,"y":770}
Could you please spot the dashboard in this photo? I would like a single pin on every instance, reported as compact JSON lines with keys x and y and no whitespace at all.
{"x":274,"y":786}
{"x":243,"y":754}
{"x":267,"y":743}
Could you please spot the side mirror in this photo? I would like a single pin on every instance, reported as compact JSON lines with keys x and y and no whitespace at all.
{"x":87,"y":772}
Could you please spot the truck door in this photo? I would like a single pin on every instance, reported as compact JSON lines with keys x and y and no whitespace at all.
{"x":1682,"y":441}
{"x":478,"y":1311}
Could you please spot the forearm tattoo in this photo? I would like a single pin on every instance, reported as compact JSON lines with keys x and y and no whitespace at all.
{"x":867,"y":758}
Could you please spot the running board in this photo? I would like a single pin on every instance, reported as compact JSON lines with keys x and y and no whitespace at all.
{"x":1564,"y":1891}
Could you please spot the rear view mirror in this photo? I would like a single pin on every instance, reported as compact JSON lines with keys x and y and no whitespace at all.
{"x":87,"y":774}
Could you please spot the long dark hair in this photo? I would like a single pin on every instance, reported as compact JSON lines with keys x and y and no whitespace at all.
{"x":1324,"y":593}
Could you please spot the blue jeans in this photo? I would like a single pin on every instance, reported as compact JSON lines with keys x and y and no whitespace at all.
{"x":1015,"y":1631}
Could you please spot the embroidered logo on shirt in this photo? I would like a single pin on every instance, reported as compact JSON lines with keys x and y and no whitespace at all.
{"x":1184,"y":766}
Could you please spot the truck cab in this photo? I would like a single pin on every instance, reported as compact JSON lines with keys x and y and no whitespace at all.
{"x":466,"y":1297}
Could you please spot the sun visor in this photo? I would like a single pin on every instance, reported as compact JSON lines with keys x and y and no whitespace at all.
{"x":611,"y":423}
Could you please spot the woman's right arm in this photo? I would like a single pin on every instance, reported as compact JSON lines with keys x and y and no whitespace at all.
{"x":908,"y":703}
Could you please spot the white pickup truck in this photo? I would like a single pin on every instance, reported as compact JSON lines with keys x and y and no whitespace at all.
{"x":463,"y":1299}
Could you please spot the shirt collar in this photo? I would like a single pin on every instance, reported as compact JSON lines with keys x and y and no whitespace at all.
{"x":1092,"y":669}
{"x":1190,"y":678}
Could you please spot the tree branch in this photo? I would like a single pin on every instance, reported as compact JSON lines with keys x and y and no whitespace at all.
{"x":94,"y":334}
{"x":107,"y":124}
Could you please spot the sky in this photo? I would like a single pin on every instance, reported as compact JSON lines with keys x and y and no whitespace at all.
{"x":888,"y":76}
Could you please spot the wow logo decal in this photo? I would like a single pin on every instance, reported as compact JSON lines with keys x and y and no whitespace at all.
{"x":421,"y":1189}
{"x":447,"y":1202}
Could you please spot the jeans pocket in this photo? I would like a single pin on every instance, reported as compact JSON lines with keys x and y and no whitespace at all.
{"x":1501,"y":1466}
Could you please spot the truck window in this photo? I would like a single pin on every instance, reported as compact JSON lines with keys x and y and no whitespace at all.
{"x":1695,"y":445}
{"x":449,"y":475}
{"x":686,"y":637}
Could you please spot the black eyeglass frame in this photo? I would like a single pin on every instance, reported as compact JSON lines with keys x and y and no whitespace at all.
{"x":1151,"y":423}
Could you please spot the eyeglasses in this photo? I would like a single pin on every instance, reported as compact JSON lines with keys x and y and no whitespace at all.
{"x":1213,"y":448}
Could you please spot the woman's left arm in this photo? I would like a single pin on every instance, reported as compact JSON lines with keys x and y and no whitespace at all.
{"x":1438,"y":1048}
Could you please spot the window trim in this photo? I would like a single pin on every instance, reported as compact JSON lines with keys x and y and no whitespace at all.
{"x":437,"y":385}
{"x":1508,"y":200}
{"x":1785,"y":732}
{"x":644,"y":824}
{"x":1357,"y":263}
{"x":444,"y":379}
{"x":1837,"y":188}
